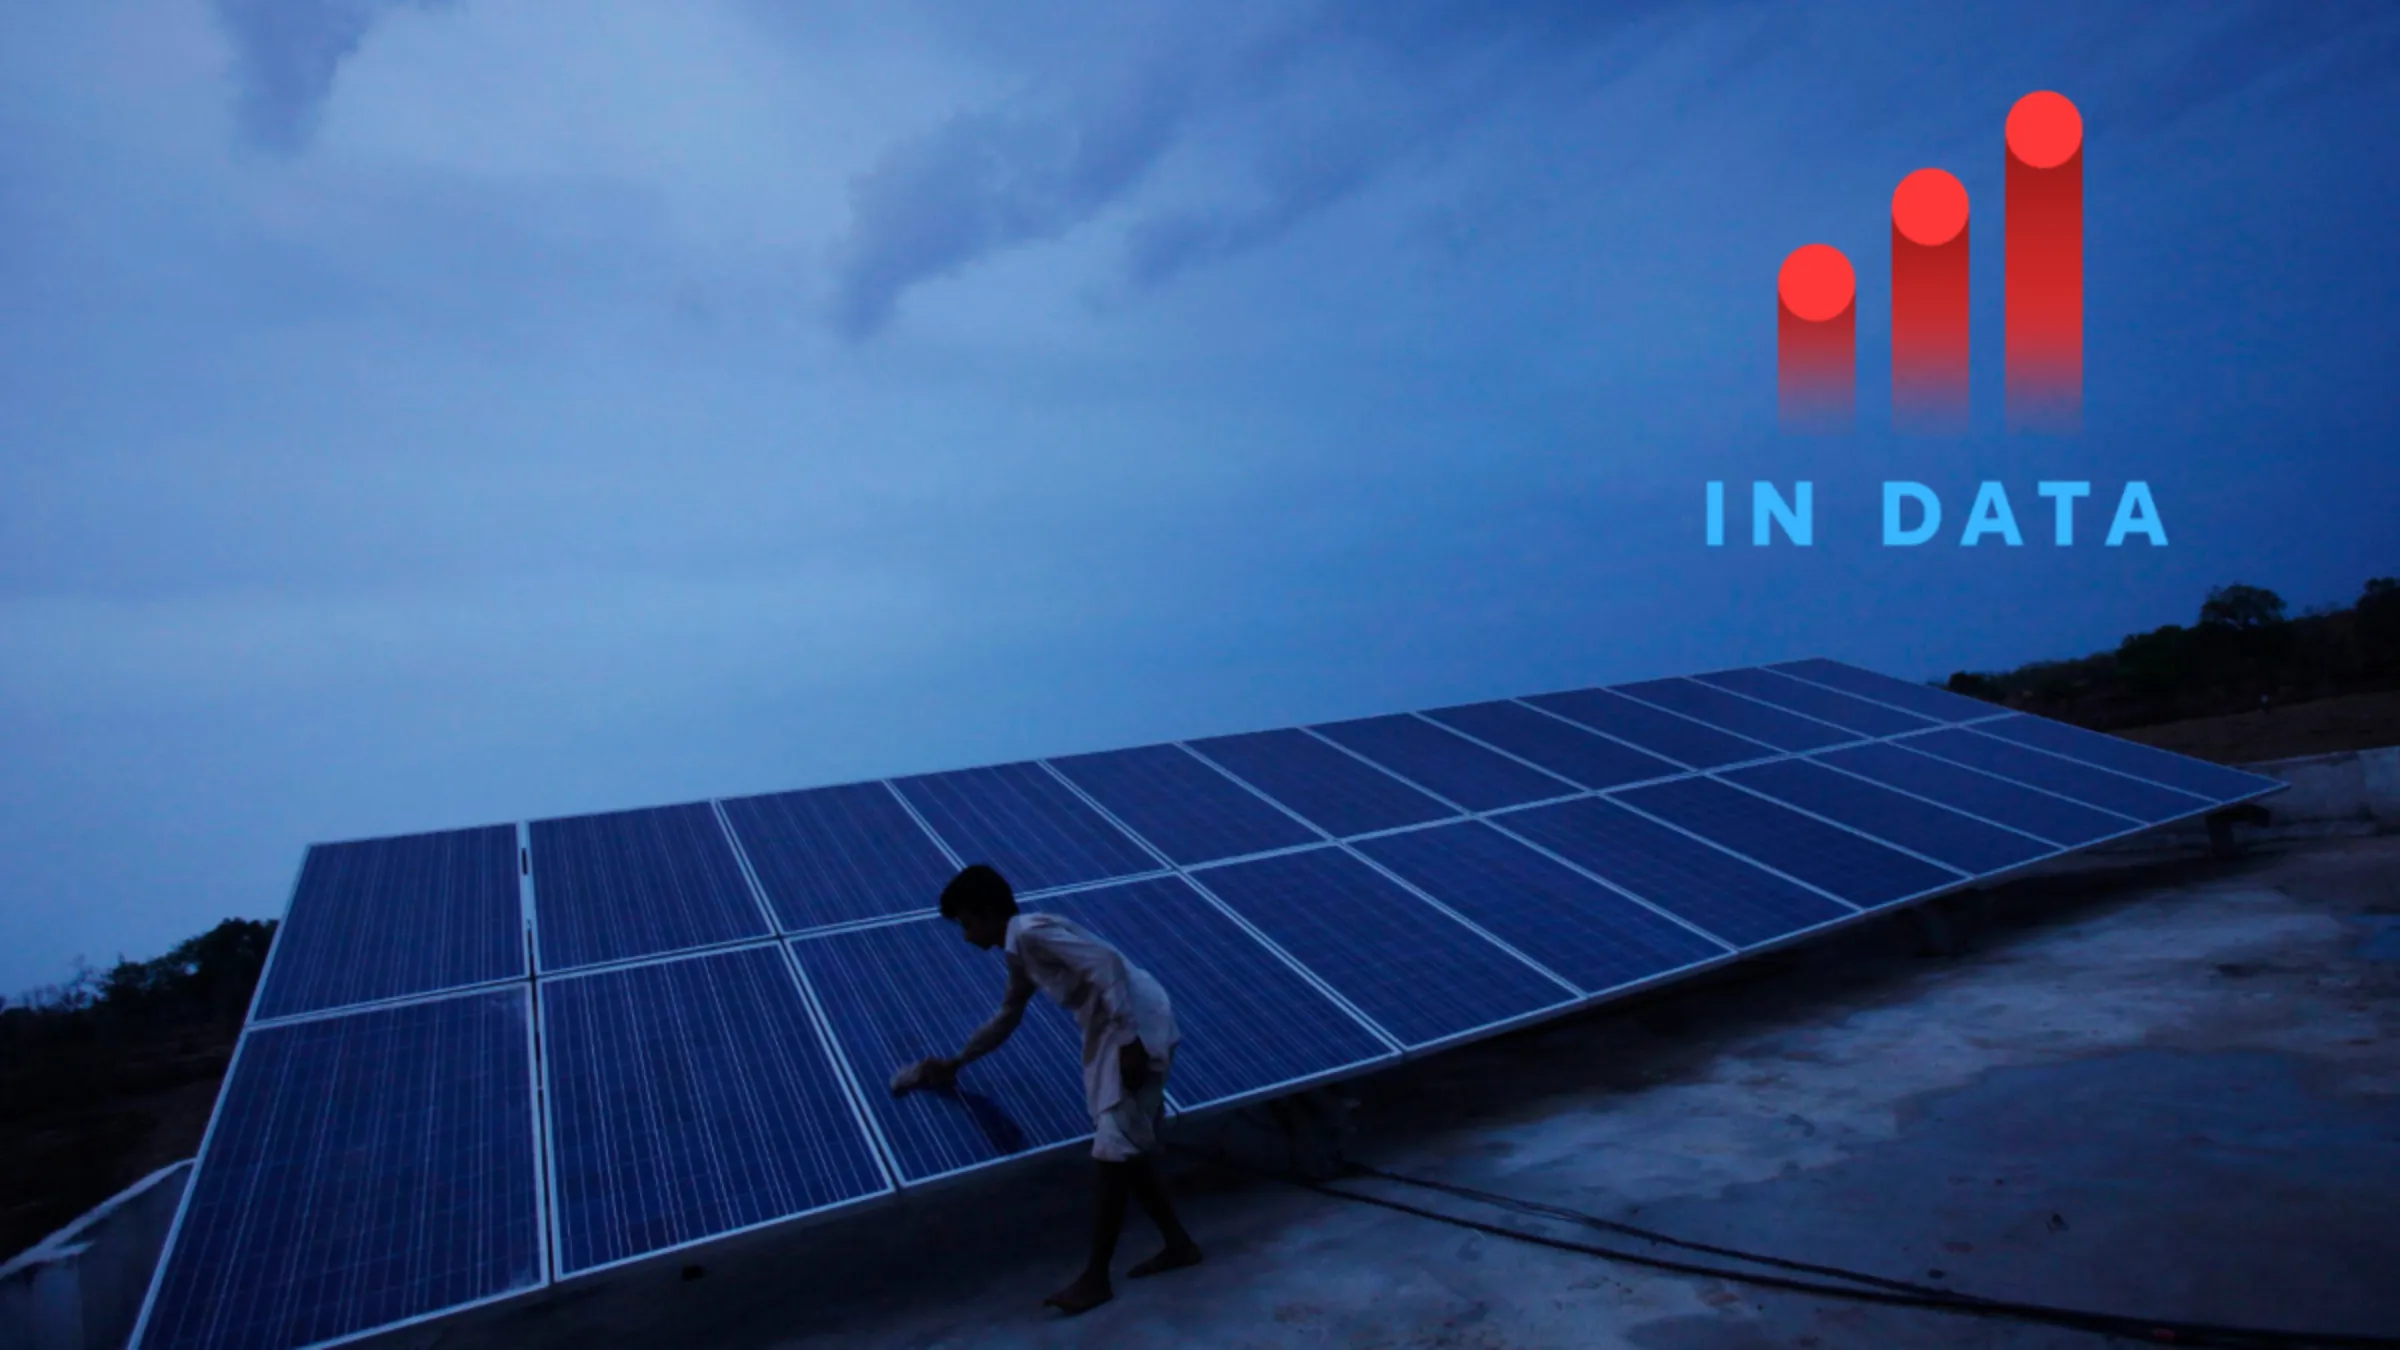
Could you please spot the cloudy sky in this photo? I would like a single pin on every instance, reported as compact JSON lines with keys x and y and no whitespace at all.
{"x":419,"y":414}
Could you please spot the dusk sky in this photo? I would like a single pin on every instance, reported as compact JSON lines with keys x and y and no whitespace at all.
{"x":417,"y":415}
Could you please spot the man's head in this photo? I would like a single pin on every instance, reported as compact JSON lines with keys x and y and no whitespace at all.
{"x":979,"y":901}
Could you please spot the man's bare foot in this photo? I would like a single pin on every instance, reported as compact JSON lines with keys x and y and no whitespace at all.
{"x":1173,"y":1258}
{"x":1088,"y":1292}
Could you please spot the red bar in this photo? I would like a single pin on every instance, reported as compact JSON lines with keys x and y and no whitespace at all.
{"x":2045,"y":264}
{"x":1929,"y":304}
{"x":1816,"y":340}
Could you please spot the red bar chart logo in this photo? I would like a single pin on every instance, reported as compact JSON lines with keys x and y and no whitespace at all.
{"x":1817,"y":295}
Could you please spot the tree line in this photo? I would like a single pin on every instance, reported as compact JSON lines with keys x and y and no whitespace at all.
{"x":2244,"y":651}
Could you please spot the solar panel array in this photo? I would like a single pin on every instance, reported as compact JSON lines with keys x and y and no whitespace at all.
{"x":485,"y":1060}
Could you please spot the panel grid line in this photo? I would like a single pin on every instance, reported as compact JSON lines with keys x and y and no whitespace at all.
{"x":1848,"y":737}
{"x":1742,"y":858}
{"x":931,"y":833}
{"x":1286,"y":957}
{"x":816,"y":1014}
{"x":1891,"y":844}
{"x":1930,"y":801}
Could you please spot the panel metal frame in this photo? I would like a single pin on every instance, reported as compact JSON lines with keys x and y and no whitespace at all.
{"x":1852,"y":737}
{"x":544,"y":1258}
{"x":1682,"y":770}
{"x":872,"y":1137}
{"x":2207,"y":803}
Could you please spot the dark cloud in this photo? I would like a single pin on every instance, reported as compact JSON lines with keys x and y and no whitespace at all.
{"x":286,"y":53}
{"x":1317,"y":102}
{"x":984,"y":181}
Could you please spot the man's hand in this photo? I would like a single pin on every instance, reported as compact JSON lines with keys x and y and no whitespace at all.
{"x":932,"y":1072}
{"x":1133,"y":1066}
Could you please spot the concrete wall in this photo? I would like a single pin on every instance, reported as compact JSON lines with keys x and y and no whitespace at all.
{"x":2354,"y":785}
{"x":81,"y":1287}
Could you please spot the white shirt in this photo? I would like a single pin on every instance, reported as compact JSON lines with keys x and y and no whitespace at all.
{"x":1114,"y":1000}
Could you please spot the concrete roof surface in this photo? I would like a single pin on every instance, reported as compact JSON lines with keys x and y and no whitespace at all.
{"x":2164,"y":1087}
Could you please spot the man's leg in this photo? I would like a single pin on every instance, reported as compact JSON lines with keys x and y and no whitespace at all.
{"x":1091,"y":1288}
{"x":1180,"y":1250}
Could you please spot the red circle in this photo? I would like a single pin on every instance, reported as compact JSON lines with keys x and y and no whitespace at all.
{"x":1930,"y":207}
{"x":1816,"y":282}
{"x":2044,"y":130}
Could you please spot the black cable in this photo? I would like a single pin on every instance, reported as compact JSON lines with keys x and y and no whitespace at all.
{"x":1563,"y":1214}
{"x":2157,"y":1331}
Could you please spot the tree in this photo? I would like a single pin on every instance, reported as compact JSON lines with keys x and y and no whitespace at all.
{"x":2245,"y":607}
{"x":2378,"y":620}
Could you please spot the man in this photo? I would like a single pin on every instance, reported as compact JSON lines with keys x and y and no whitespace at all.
{"x":1129,"y":1040}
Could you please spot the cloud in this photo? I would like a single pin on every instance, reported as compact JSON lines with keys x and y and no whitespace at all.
{"x":984,"y":181}
{"x":286,"y":53}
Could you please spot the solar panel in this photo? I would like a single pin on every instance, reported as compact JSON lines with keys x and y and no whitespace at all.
{"x":1826,"y":705}
{"x":1661,"y":733}
{"x":1695,"y":881}
{"x":1337,"y":792}
{"x":838,"y":854}
{"x":630,"y":884}
{"x":2176,"y":771}
{"x":1946,"y":836}
{"x":691,"y":1098}
{"x":1250,"y":1025}
{"x":1184,"y":808}
{"x":361,"y":1170}
{"x":1593,"y":936}
{"x":2144,"y":801}
{"x":723,"y":989}
{"x":1445,"y":763}
{"x":1419,"y":973}
{"x":1560,"y":747}
{"x":896,"y":993}
{"x":388,"y":918}
{"x":1025,"y":822}
{"x":2041,"y":814}
{"x":1828,"y":857}
{"x":1742,"y":716}
{"x":1924,"y":700}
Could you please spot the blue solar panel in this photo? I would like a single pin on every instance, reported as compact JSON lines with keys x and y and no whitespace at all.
{"x":1595,"y":938}
{"x":1187,"y":810}
{"x":1937,"y":832}
{"x":362,"y":1170}
{"x":2096,"y":787}
{"x":1858,"y":870}
{"x":1741,"y":716}
{"x":1422,"y":975}
{"x":1699,"y":884}
{"x":1923,"y":699}
{"x":1339,"y":793}
{"x":1565,"y":750}
{"x":899,"y":992}
{"x":385,"y":918}
{"x":838,"y":854}
{"x":2062,"y":822}
{"x":1826,"y":705}
{"x":637,"y":883}
{"x":1249,"y":1023}
{"x":1661,"y":733}
{"x":691,"y":1098}
{"x":1026,"y":823}
{"x":1447,"y":764}
{"x":2181,"y":772}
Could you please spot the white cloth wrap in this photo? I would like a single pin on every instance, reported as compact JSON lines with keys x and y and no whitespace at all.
{"x":1116,"y":1003}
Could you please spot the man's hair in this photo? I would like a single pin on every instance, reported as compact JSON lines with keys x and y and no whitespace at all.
{"x":979,"y":889}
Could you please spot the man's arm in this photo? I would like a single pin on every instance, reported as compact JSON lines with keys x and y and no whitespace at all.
{"x":939,"y":1072}
{"x":989,"y":1036}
